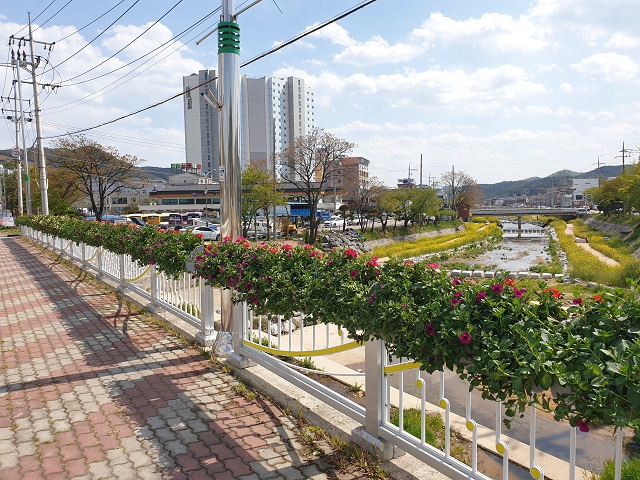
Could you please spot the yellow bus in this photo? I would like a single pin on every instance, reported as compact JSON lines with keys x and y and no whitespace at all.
{"x":151,"y":218}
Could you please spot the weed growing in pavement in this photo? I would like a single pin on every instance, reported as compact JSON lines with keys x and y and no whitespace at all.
{"x":242,"y":390}
{"x":347,"y":456}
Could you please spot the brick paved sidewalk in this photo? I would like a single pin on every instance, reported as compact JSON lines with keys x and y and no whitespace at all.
{"x":88,"y":390}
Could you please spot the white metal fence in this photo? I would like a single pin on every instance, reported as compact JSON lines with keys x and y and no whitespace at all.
{"x":395,"y":388}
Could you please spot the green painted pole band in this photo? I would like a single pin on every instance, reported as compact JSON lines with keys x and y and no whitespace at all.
{"x":228,"y":38}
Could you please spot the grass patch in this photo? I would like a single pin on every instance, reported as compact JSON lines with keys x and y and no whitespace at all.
{"x":630,"y":470}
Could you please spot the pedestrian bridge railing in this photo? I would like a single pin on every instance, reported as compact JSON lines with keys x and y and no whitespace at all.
{"x":395,"y":390}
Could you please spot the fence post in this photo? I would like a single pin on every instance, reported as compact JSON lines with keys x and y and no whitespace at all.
{"x":206,"y":335}
{"x":240,"y":314}
{"x":375,"y":401}
{"x":154,"y":306}
{"x":123,"y":283}
{"x":83,"y":247}
{"x":99,"y":254}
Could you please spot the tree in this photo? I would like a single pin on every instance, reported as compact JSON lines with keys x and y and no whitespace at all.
{"x":63,"y":192}
{"x":386,"y":204}
{"x":609,"y":195}
{"x":461,"y":188}
{"x":99,"y":171}
{"x":258,"y":193}
{"x":308,"y":163}
{"x":360,"y":193}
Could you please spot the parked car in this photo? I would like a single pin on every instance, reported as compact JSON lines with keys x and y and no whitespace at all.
{"x":354,"y":221}
{"x":208,"y":233}
{"x":334,"y":221}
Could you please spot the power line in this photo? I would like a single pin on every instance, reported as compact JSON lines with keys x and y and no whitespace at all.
{"x":90,"y":23}
{"x":254,"y":59}
{"x":128,"y":44}
{"x":96,"y":37}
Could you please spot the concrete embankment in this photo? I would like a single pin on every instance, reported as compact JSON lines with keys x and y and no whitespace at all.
{"x":609,"y":228}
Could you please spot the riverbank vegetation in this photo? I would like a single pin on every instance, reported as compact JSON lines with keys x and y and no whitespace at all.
{"x":585,"y":266}
{"x":473,"y":233}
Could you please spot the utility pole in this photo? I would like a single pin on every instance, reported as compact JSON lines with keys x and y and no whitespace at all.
{"x":421,"y":170}
{"x":17,"y":150}
{"x":21,"y":62}
{"x":44,"y":196}
{"x":624,"y":151}
{"x":27,"y":177}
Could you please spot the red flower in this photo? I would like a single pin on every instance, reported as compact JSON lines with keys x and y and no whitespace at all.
{"x":598,"y":298}
{"x":465,"y":338}
{"x":509,"y":281}
{"x":555,"y":293}
{"x":373,"y":262}
{"x":577,"y":301}
{"x":582,"y":426}
{"x":287,"y":247}
{"x":408,"y":262}
{"x":351,"y":252}
{"x":433,"y":265}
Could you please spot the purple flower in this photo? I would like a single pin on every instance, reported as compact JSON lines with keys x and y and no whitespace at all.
{"x":582,"y":426}
{"x":429,"y":330}
{"x":518,"y":292}
{"x":353,"y":274}
{"x":481,"y":297}
{"x":496,"y":288}
{"x":465,"y":338}
{"x":455,"y":302}
{"x":456,"y":281}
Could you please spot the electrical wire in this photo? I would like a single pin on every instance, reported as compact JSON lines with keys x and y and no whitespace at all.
{"x":128,"y":44}
{"x":171,"y":41}
{"x":52,"y":16}
{"x":79,"y":102}
{"x":37,"y":16}
{"x":254,"y":59}
{"x":90,"y":23}
{"x":97,"y":36}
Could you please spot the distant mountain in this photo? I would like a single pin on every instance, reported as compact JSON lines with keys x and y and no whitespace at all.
{"x":538,"y":186}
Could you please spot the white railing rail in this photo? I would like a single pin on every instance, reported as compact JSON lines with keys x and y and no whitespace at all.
{"x":394,"y":385}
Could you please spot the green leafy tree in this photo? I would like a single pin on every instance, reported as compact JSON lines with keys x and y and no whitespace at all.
{"x":258,"y":193}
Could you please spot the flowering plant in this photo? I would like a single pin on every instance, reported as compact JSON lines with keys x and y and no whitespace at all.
{"x":511,"y":344}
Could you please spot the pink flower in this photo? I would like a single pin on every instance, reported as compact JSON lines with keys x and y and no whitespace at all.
{"x":481,"y":297}
{"x":373,"y":262}
{"x":372,"y":298}
{"x":465,"y":338}
{"x":582,"y":426}
{"x":456,"y":281}
{"x":517,"y":292}
{"x":433,"y":265}
{"x":351,"y":252}
{"x":429,"y":329}
{"x":353,"y":274}
{"x":307,"y":246}
{"x":577,"y":301}
{"x":408,"y":262}
{"x":496,"y":288}
{"x":287,"y":247}
{"x":455,"y":302}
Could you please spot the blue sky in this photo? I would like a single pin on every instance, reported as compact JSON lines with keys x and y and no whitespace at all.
{"x":502,"y":90}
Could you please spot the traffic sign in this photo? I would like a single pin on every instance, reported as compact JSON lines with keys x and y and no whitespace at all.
{"x":15,"y":152}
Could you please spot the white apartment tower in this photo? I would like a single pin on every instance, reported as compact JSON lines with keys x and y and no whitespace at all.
{"x":202,"y":122}
{"x":274,"y":111}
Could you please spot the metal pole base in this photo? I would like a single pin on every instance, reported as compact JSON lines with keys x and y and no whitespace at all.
{"x":379,"y":448}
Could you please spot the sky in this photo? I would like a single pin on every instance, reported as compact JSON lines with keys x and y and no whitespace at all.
{"x":499,"y":89}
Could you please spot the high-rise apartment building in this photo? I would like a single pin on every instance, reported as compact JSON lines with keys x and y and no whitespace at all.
{"x":274,"y":111}
{"x":202,"y":122}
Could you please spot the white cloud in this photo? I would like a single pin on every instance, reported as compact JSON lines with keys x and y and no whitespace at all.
{"x":623,"y":40}
{"x":566,"y":87}
{"x":490,"y":31}
{"x":612,"y":67}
